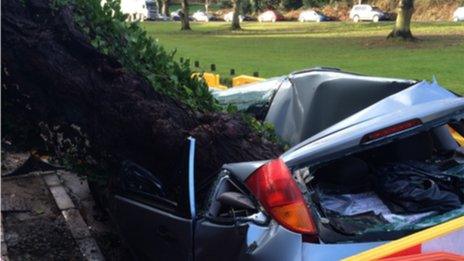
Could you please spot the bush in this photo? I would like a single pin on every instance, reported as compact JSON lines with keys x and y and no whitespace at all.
{"x":290,"y":4}
{"x":225,"y":4}
{"x":314,"y":3}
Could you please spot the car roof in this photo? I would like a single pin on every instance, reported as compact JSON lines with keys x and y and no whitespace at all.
{"x":316,"y":99}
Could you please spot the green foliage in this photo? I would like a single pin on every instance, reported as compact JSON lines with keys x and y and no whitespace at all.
{"x":264,"y":129}
{"x":314,"y":3}
{"x":109,"y":32}
{"x":290,"y":4}
{"x":225,"y":4}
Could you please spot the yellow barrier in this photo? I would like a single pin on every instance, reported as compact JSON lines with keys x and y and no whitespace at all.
{"x":409,"y":241}
{"x":212,"y":80}
{"x":457,"y":136}
{"x":244,"y":79}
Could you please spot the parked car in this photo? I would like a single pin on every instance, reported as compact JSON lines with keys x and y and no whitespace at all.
{"x":153,"y":12}
{"x":458,"y":15}
{"x":135,"y":9}
{"x":270,"y":16}
{"x":320,"y":200}
{"x":201,"y":16}
{"x":367,"y":13}
{"x":176,"y":15}
{"x":229,"y":16}
{"x":312,"y":16}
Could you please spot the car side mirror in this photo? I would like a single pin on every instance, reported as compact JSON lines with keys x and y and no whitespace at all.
{"x":236,"y":199}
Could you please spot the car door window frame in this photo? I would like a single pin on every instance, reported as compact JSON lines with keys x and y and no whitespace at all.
{"x":184,"y":206}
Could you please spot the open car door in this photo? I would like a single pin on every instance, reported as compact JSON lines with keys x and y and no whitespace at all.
{"x":155,"y":220}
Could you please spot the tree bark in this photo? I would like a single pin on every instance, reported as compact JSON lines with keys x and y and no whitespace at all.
{"x":402,"y":27}
{"x":185,"y":15}
{"x":159,"y":3}
{"x":235,"y":17}
{"x":61,"y":95}
{"x":206,"y":6}
{"x":165,"y":8}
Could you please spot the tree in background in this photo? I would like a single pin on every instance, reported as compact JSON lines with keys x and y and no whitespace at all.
{"x":235,"y":17}
{"x":165,"y":7}
{"x":185,"y":15}
{"x":402,"y":27}
{"x":314,"y":3}
{"x":206,"y":6}
{"x":290,"y":4}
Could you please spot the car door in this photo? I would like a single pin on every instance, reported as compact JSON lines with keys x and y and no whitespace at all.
{"x":155,"y":221}
{"x":314,"y":16}
{"x":367,"y":13}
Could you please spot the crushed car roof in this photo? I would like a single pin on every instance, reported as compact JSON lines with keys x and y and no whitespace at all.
{"x":306,"y":102}
{"x":428,"y":102}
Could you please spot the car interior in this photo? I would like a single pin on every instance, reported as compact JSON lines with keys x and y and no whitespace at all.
{"x":388,"y":191}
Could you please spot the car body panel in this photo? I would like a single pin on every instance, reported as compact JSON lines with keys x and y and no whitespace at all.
{"x":144,"y":227}
{"x":311,"y":15}
{"x":153,"y":229}
{"x":242,"y":170}
{"x":310,"y":102}
{"x":367,"y":12}
{"x":246,"y":241}
{"x":229,"y":17}
{"x":333,"y":252}
{"x":200,"y":16}
{"x":428,"y":102}
{"x":458,"y":15}
{"x":270,"y":16}
{"x":304,"y":103}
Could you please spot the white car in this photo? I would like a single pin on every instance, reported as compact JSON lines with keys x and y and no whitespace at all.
{"x":311,"y":15}
{"x":135,"y":9}
{"x":459,"y":14}
{"x":230,"y":15}
{"x":269,"y":16}
{"x":200,"y":16}
{"x":367,"y":13}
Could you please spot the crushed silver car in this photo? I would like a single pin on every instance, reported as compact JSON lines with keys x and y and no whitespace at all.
{"x":333,"y":194}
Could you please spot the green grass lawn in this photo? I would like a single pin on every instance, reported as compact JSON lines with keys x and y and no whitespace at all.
{"x":280,"y":48}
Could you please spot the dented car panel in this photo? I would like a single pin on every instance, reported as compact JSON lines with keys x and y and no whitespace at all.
{"x":428,"y":102}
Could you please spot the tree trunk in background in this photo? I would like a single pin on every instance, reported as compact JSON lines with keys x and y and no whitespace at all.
{"x":62,"y":96}
{"x":235,"y":17}
{"x":159,"y":3}
{"x":402,"y":27}
{"x":206,"y":6}
{"x":185,"y":15}
{"x":165,"y":8}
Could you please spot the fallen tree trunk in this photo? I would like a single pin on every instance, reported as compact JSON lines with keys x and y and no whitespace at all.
{"x":61,"y":95}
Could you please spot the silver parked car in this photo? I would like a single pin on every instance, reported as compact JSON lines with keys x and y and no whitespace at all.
{"x":367,"y":13}
{"x":354,"y":137}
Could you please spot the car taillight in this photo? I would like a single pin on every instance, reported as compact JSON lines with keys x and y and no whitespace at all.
{"x":391,"y":130}
{"x":272,"y":184}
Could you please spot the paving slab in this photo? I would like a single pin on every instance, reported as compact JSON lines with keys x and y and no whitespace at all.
{"x":51,"y":180}
{"x":76,"y":223}
{"x":90,"y":249}
{"x":62,"y":199}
